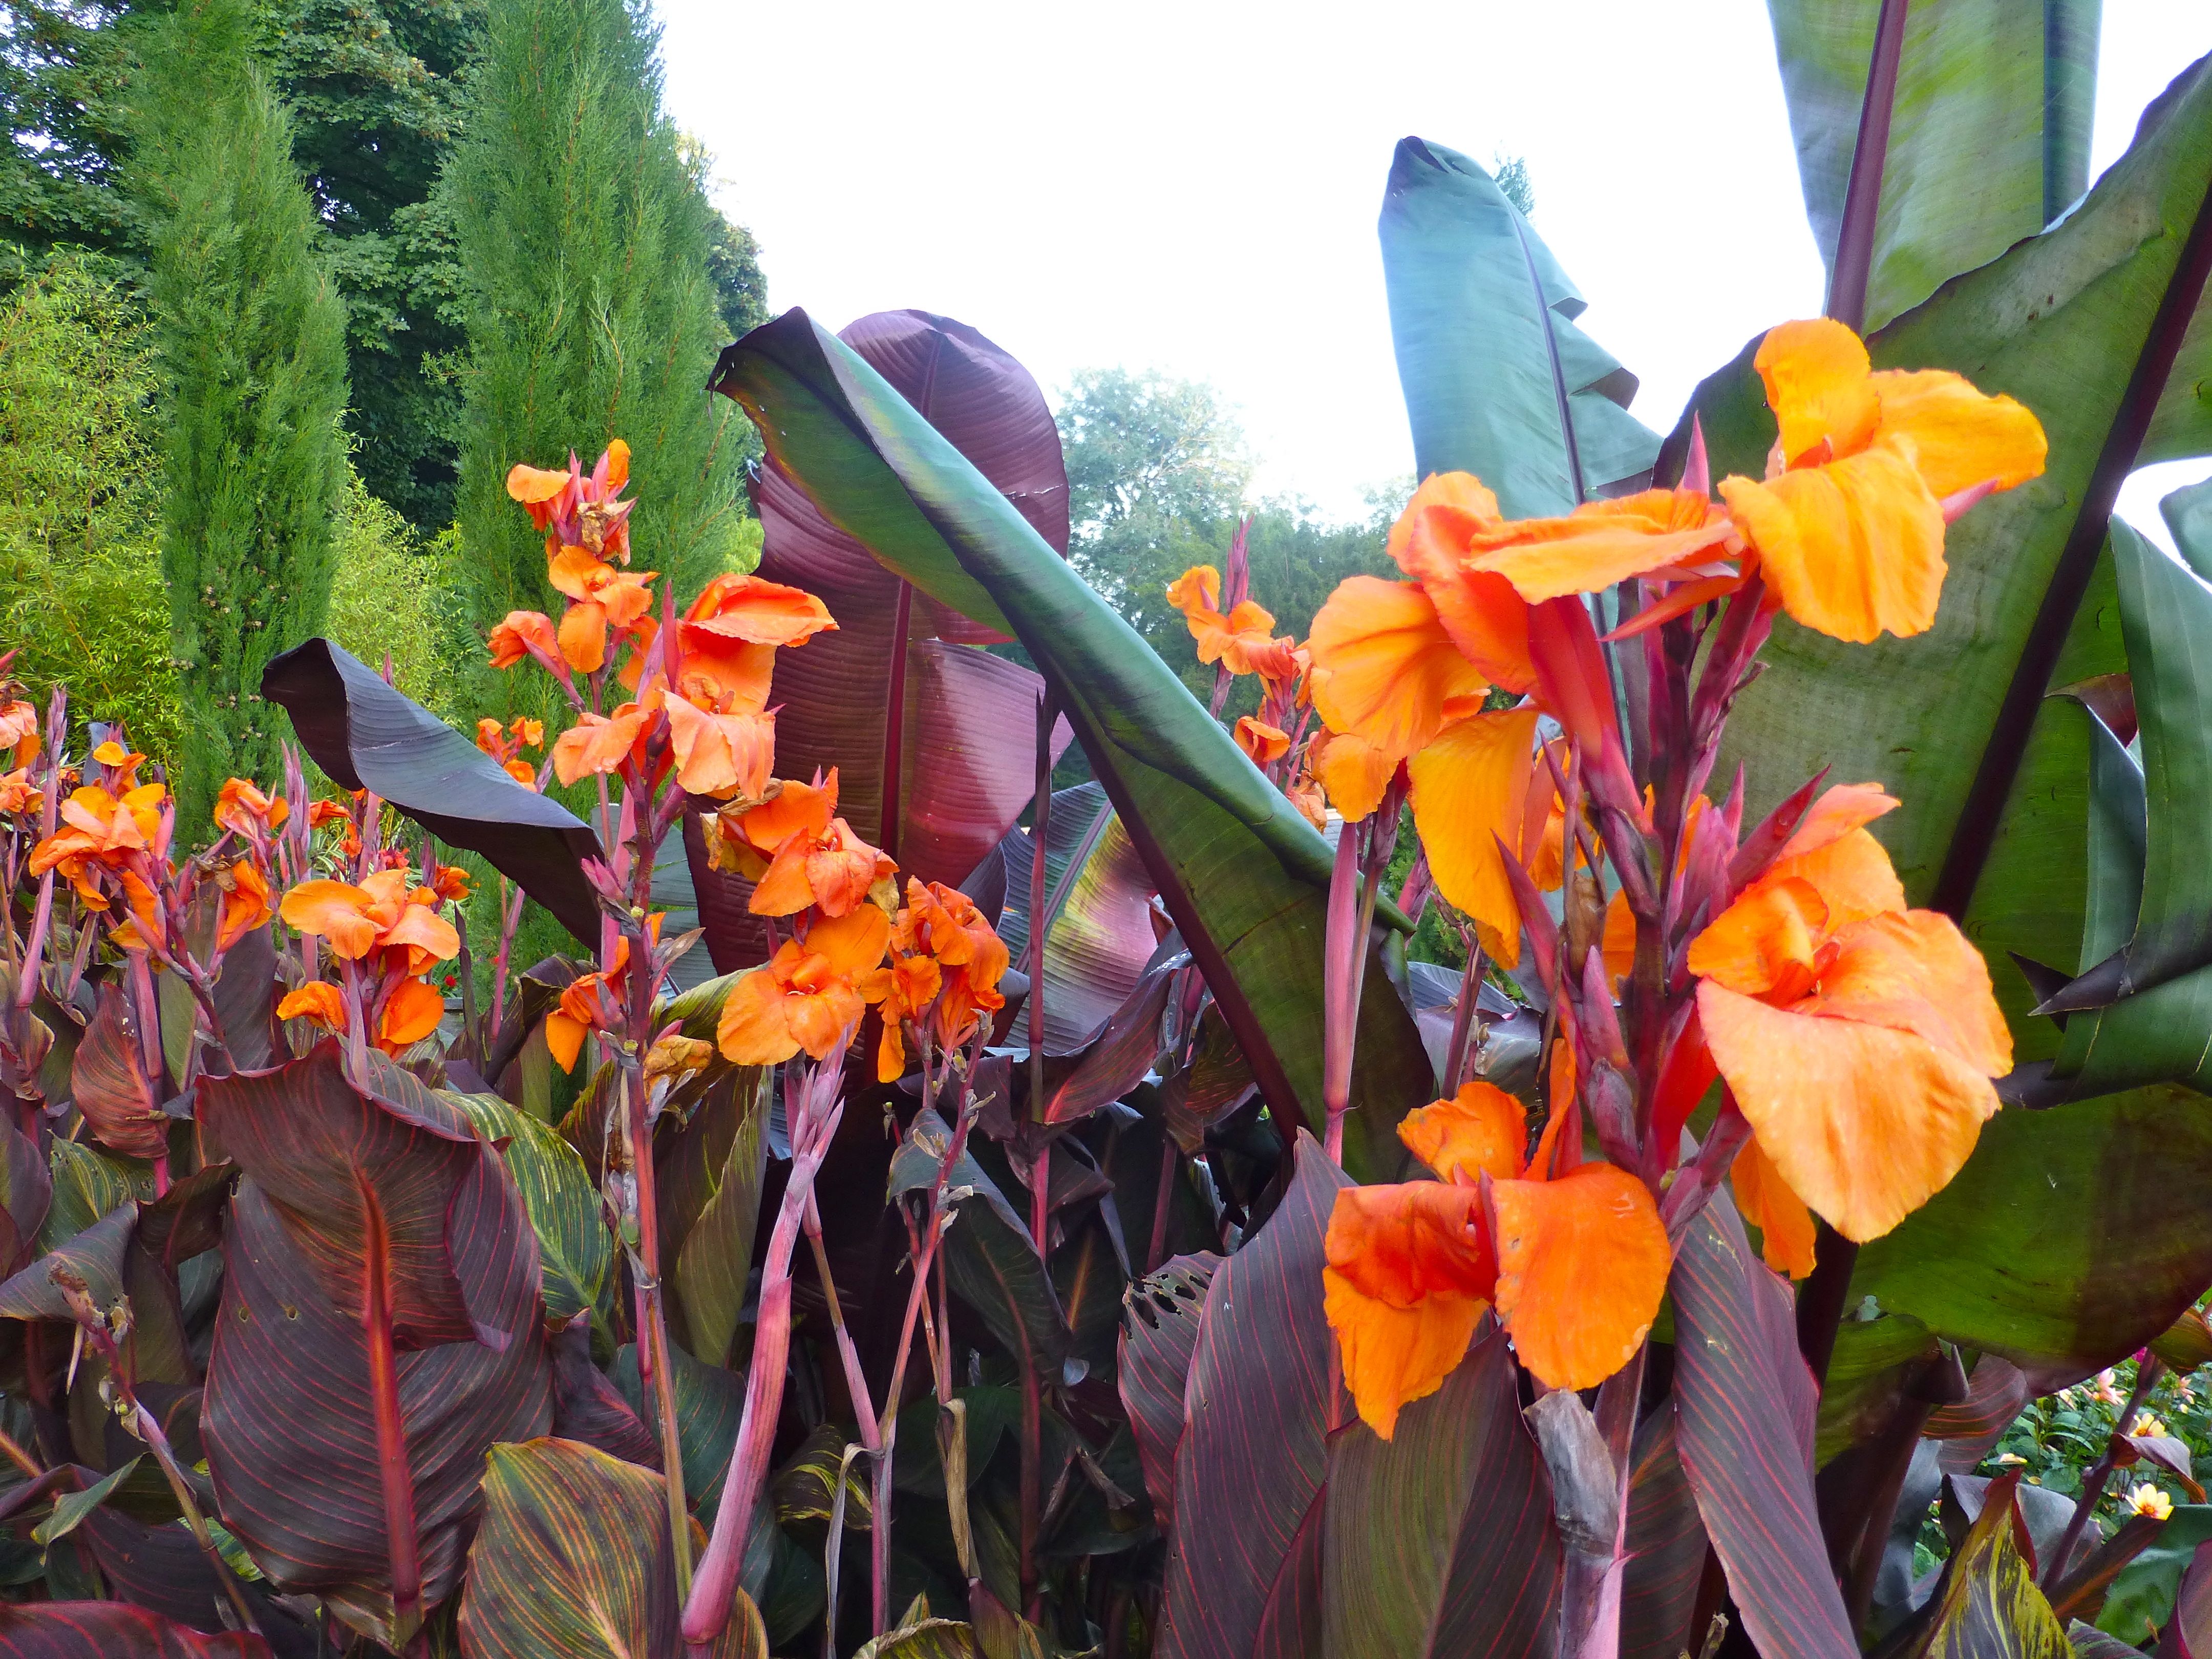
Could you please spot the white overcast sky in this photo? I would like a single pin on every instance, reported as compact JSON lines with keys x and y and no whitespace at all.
{"x":1191,"y":186}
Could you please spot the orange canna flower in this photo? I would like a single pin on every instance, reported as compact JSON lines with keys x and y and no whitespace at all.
{"x":601,"y":743}
{"x":579,"y":509}
{"x":19,"y":734}
{"x":410,"y":1013}
{"x":318,"y":1001}
{"x":527,"y":633}
{"x":940,"y":926}
{"x":752,"y":833}
{"x":242,"y":808}
{"x":506,"y":744}
{"x":1857,"y":1036}
{"x":382,"y":914}
{"x":722,"y":754}
{"x":1243,"y":642}
{"x":450,"y":883}
{"x":601,"y":597}
{"x":1849,"y":522}
{"x":245,"y":903}
{"x":100,"y":831}
{"x":1786,"y":1232}
{"x":1470,"y":791}
{"x":907,"y":985}
{"x":1264,"y":743}
{"x":1385,"y":670}
{"x":810,"y":994}
{"x":1575,"y":1261}
{"x":17,"y":793}
{"x":730,"y":636}
{"x":828,"y":867}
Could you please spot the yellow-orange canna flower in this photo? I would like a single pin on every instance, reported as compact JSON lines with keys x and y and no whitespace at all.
{"x":1573,"y":1256}
{"x":245,"y":810}
{"x":1243,"y":642}
{"x":601,"y":743}
{"x":100,"y":831}
{"x":506,"y":744}
{"x":579,"y":509}
{"x":731,"y":634}
{"x":722,"y":754}
{"x":946,"y":965}
{"x":591,"y":1002}
{"x":1858,"y":1037}
{"x":245,"y":903}
{"x":818,"y":862}
{"x":17,"y":793}
{"x":1849,"y":522}
{"x":810,"y":996}
{"x":318,"y":1001}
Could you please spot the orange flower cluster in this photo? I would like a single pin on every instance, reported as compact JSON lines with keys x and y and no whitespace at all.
{"x":1572,"y":1255}
{"x":386,"y":931}
{"x":111,"y":832}
{"x":505,"y":744}
{"x":1859,"y":1036}
{"x":946,"y":963}
{"x":1243,"y":640}
{"x":798,"y":852}
{"x":810,"y":996}
{"x":586,"y":536}
{"x":591,"y":1002}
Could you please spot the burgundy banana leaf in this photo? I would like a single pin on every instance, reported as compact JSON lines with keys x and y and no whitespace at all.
{"x":1255,"y":1457}
{"x":381,"y":1326}
{"x":121,"y":1100}
{"x":365,"y":734}
{"x":1098,"y":905}
{"x":1440,"y":1540}
{"x":110,"y":1630}
{"x":1159,"y":1331}
{"x":1744,"y":1406}
{"x":934,"y":740}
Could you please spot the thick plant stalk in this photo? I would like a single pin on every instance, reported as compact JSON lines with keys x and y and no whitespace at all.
{"x":1340,"y":988}
{"x":1040,"y":828}
{"x":398,"y":1480}
{"x":863,"y":1412}
{"x":714,"y":1589}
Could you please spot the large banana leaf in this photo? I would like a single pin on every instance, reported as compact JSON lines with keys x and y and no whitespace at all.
{"x":1243,"y":876}
{"x":1989,"y":130}
{"x":1499,"y":379}
{"x":933,"y":740}
{"x":2082,"y":324}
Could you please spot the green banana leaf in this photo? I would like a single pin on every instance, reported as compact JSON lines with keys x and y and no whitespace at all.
{"x":1244,"y":876}
{"x":1499,"y":379}
{"x":2080,"y":323}
{"x":1988,"y":133}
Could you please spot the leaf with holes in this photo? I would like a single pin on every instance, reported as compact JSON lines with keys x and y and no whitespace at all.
{"x":1159,"y":1332}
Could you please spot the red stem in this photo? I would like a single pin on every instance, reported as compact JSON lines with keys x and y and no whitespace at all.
{"x":390,"y":1430}
{"x":1340,"y":997}
{"x":1847,"y":286}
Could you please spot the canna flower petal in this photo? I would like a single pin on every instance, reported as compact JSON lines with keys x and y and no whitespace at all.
{"x":1385,"y":670}
{"x":1263,"y":742}
{"x":1786,"y":1233}
{"x":1479,"y":610}
{"x":318,"y":1001}
{"x":531,"y":485}
{"x":426,"y":936}
{"x":410,"y":1013}
{"x":757,"y":611}
{"x":1960,"y":437}
{"x":1352,"y":773}
{"x":752,"y":1030}
{"x":245,"y":903}
{"x":1769,"y":937}
{"x":1913,"y":971}
{"x":613,"y":465}
{"x":598,"y":743}
{"x":1864,"y":1122}
{"x":1854,"y":548}
{"x":1409,"y":1273}
{"x":854,"y":944}
{"x":1469,"y":790}
{"x":1582,"y":1265}
{"x":584,"y":636}
{"x":1852,"y":874}
{"x":564,"y":1038}
{"x":1819,"y":386}
{"x":722,"y":754}
{"x":1601,"y":542}
{"x":1480,"y":1131}
{"x":334,"y":912}
{"x":577,"y":574}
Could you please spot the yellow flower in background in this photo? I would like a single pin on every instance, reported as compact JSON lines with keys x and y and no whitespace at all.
{"x":2147,"y":1499}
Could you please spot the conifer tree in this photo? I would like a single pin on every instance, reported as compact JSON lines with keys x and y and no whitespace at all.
{"x":588,"y":252}
{"x":251,"y":336}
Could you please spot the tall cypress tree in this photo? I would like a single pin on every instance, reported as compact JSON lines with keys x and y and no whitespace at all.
{"x":251,"y":335}
{"x":588,"y":253}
